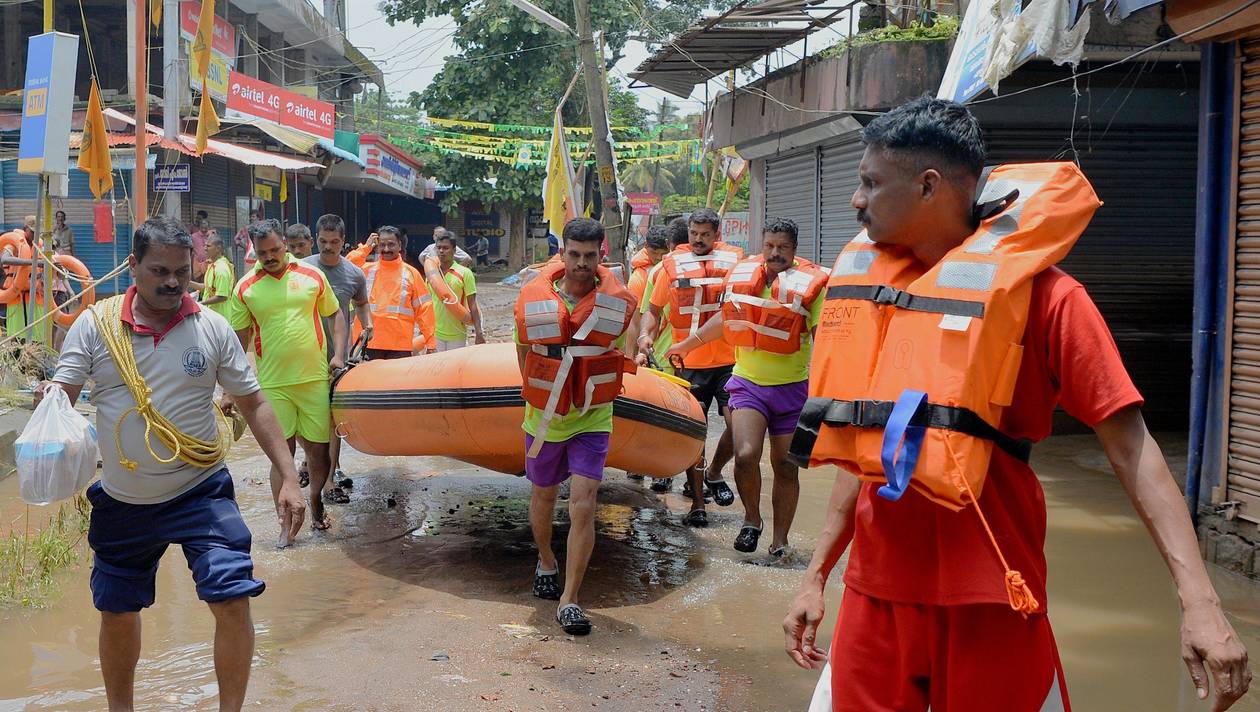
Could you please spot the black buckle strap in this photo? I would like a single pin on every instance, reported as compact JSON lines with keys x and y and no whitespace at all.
{"x":874,"y":414}
{"x":891,"y":296}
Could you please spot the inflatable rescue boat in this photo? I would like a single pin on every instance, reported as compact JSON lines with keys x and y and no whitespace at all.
{"x":466,"y":404}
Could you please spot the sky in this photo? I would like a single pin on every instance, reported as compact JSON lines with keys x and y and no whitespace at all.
{"x":411,"y":55}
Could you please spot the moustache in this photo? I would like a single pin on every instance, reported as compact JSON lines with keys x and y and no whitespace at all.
{"x":777,"y":260}
{"x":165,"y":292}
{"x":863,"y":218}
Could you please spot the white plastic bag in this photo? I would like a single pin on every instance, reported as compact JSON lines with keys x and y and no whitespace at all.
{"x":56,"y":452}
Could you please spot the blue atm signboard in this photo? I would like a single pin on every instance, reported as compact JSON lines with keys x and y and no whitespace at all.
{"x":47,"y":103}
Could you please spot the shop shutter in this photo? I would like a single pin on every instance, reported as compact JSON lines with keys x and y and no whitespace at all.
{"x":1244,"y":383}
{"x":1136,"y":259}
{"x":210,"y":192}
{"x":792,"y":192}
{"x":837,"y":183}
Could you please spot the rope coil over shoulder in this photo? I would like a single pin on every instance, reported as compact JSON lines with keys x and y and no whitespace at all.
{"x":194,"y":451}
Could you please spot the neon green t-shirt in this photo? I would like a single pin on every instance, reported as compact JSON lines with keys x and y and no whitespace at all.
{"x":664,"y":335}
{"x":770,"y":369}
{"x":219,"y":278}
{"x":464,"y":284}
{"x":285,"y":313}
{"x":563,"y":427}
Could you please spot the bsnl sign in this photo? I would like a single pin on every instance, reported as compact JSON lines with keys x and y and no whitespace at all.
{"x":47,"y":102}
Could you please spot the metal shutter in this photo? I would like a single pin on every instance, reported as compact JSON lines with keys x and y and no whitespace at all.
{"x":839,"y":179}
{"x":209,"y":192}
{"x":1146,"y":178}
{"x":1243,"y":484}
{"x":792,"y":192}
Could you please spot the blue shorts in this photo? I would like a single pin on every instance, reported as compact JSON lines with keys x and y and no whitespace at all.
{"x":128,"y":541}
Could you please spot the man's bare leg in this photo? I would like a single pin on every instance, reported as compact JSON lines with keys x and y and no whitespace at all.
{"x":233,"y":650}
{"x":787,"y":488}
{"x":749,"y":434}
{"x":317,"y":465}
{"x":119,"y":647}
{"x":723,"y":454}
{"x":542,"y":510}
{"x":582,"y":492}
{"x":275,"y":475}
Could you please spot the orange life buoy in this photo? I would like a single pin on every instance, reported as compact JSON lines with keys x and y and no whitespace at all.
{"x":75,"y":267}
{"x":442,"y":290}
{"x":15,"y":275}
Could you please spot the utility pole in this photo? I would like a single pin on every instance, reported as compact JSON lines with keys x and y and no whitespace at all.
{"x":140,"y":174}
{"x":171,"y":91}
{"x":40,"y":275}
{"x":592,"y":73}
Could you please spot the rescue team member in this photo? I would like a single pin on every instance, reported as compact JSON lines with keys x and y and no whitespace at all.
{"x":655,"y":245}
{"x":220,"y":277}
{"x":276,"y":310}
{"x":451,"y":331}
{"x":928,"y":614}
{"x":770,"y":306}
{"x":350,"y":287}
{"x":690,"y":283}
{"x":396,"y":293}
{"x":165,"y":342}
{"x":297,"y":240}
{"x":567,"y":320}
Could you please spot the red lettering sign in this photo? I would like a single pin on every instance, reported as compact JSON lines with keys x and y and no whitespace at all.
{"x":254,"y":97}
{"x":311,"y":116}
{"x":224,"y":33}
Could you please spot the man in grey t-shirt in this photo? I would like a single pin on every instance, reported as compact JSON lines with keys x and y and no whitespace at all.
{"x":149,"y":497}
{"x":350,"y":286}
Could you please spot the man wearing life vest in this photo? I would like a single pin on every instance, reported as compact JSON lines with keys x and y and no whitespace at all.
{"x":690,"y":284}
{"x":770,"y":307}
{"x":17,"y":251}
{"x":454,"y":291}
{"x":396,"y":292}
{"x":947,"y":339}
{"x":567,"y":320}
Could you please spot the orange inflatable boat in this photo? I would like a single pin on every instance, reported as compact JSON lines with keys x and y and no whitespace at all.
{"x":466,"y":404}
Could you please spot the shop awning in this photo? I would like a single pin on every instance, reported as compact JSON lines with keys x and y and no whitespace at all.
{"x":230,"y":151}
{"x":734,"y":39}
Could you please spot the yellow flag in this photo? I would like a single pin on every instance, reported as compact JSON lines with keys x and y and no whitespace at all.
{"x":284,"y":187}
{"x":155,"y":13}
{"x":559,"y":203}
{"x":207,"y":122}
{"x":94,"y":148}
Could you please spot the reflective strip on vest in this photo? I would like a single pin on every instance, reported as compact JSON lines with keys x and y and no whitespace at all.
{"x":741,"y":325}
{"x":862,"y":239}
{"x":976,"y":276}
{"x":542,"y":320}
{"x":744,"y":272}
{"x":793,"y":306}
{"x":854,"y":263}
{"x":1008,"y":221}
{"x":589,"y":388}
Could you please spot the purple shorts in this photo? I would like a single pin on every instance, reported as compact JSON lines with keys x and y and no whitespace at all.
{"x":582,"y":455}
{"x":781,"y":405}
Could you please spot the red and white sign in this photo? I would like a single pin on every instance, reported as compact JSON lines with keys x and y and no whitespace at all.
{"x":391,"y":165}
{"x":260,"y":100}
{"x":644,"y":203}
{"x":224,"y":43}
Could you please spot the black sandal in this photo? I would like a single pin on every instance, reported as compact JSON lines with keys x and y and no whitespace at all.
{"x":696,"y":518}
{"x":746,"y":541}
{"x":573,"y":619}
{"x":547,"y":585}
{"x":662,"y":484}
{"x":336,"y":495}
{"x":304,"y":477}
{"x":721,"y":492}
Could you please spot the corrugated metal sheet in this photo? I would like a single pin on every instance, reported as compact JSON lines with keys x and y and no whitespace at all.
{"x":839,"y":180}
{"x":792,"y":192}
{"x":210,"y":192}
{"x":1137,"y":257}
{"x":1243,"y":457}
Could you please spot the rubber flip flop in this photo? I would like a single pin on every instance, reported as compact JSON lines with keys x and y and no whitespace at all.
{"x":746,"y":541}
{"x":336,"y":495}
{"x":696,"y":518}
{"x":662,"y":484}
{"x":547,"y":585}
{"x":721,"y":492}
{"x":573,"y":619}
{"x":777,"y":552}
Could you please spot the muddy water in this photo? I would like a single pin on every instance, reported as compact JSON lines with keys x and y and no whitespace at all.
{"x":433,"y":558}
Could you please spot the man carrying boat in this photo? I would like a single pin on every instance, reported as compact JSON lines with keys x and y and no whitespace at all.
{"x":454,"y":291}
{"x":155,"y":357}
{"x":770,"y":307}
{"x":690,"y":284}
{"x":276,"y":310}
{"x":947,"y":339}
{"x":567,"y":320}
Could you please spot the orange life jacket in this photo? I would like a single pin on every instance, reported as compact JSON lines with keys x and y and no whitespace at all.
{"x":912,"y":367}
{"x":696,"y":285}
{"x":571,"y":360}
{"x":396,"y":295}
{"x":773,"y":324}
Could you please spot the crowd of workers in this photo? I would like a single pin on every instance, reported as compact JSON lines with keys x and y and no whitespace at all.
{"x":929,"y":609}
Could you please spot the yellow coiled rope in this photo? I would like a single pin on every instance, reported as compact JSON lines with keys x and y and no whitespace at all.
{"x":194,"y":451}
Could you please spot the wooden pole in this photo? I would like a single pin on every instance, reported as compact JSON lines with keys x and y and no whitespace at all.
{"x":140,"y":176}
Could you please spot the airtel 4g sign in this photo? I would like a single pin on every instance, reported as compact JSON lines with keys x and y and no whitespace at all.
{"x":260,"y":100}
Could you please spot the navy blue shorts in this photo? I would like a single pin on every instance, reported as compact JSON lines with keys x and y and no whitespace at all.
{"x":128,"y":541}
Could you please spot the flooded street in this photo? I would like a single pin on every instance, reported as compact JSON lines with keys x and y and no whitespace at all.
{"x":419,"y":598}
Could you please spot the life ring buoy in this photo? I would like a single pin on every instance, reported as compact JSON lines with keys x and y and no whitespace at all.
{"x":442,"y":291}
{"x":87,"y":299}
{"x":15,"y":242}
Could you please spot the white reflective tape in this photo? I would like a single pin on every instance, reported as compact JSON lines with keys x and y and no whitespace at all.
{"x":955,"y":322}
{"x":608,"y":301}
{"x":544,"y":306}
{"x":536,"y":319}
{"x":862,"y":239}
{"x":854,"y":263}
{"x":1004,"y":225}
{"x":542,"y":331}
{"x":975,"y":276}
{"x":589,"y":388}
